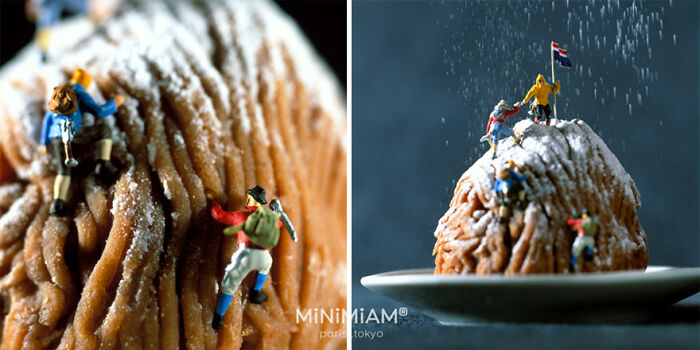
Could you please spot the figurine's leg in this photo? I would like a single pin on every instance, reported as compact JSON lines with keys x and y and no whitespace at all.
{"x":495,"y":136}
{"x":104,"y":168}
{"x":548,"y":113}
{"x":49,"y":14}
{"x":576,"y":251}
{"x":510,"y":133}
{"x":61,"y":184}
{"x":589,"y":243}
{"x":493,"y":141}
{"x":262,"y":260}
{"x":538,"y":113}
{"x":521,"y":199}
{"x":43,"y":38}
{"x":503,"y":214}
{"x":572,"y":263}
{"x":235,"y":272}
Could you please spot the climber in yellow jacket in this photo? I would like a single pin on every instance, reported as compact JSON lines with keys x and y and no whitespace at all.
{"x":541,"y":91}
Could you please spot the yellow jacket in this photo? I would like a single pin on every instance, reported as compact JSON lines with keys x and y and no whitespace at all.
{"x":541,"y":91}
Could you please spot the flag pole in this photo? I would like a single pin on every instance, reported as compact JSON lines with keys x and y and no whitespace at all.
{"x":551,"y":52}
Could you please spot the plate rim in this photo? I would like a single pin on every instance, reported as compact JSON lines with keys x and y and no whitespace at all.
{"x":425,"y":277}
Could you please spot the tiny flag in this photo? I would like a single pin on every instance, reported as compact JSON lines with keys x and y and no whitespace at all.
{"x":560,"y":55}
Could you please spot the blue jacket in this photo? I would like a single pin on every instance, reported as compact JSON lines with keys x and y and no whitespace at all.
{"x":504,"y":185}
{"x":51,"y":127}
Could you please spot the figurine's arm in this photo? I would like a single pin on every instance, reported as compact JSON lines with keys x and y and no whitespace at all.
{"x":229,"y":218}
{"x":530,"y":94}
{"x":510,"y":112}
{"x":488,"y":126}
{"x":496,"y":186}
{"x":557,"y":87}
{"x":573,"y":223}
{"x":518,"y":177}
{"x":88,"y":103}
{"x":45,"y":128}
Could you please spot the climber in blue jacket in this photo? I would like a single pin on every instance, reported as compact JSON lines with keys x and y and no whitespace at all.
{"x":63,"y":126}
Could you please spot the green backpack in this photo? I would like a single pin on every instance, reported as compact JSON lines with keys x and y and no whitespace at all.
{"x":261,"y":228}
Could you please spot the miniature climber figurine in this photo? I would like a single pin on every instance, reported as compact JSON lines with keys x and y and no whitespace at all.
{"x":258,"y":229}
{"x":541,"y":91}
{"x":509,"y":187}
{"x":62,"y":127}
{"x":497,"y":127}
{"x":533,"y":105}
{"x":47,"y":13}
{"x":586,"y":228}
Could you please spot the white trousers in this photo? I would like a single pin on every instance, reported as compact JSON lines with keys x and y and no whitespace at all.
{"x":582,"y":242}
{"x":243,"y":261}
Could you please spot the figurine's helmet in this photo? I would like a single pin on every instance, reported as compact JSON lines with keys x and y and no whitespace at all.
{"x":511,"y":164}
{"x":63,"y":100}
{"x":80,"y":76}
{"x":504,"y":174}
{"x":258,"y":193}
{"x":585,"y":213}
{"x":540,"y":79}
{"x":503,"y":103}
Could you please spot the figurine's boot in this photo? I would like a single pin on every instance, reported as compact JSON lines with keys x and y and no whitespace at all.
{"x":588,"y":256}
{"x":43,"y":38}
{"x":537,"y":120}
{"x":572,"y":263}
{"x":104,"y":168}
{"x":548,"y":119}
{"x":257,"y":296}
{"x":61,"y":185}
{"x":221,"y":306}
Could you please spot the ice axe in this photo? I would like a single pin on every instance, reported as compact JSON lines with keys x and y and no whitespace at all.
{"x":67,"y":134}
{"x":277,"y":207}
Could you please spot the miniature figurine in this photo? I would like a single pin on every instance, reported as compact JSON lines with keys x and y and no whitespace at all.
{"x":497,"y":127}
{"x":257,"y":228}
{"x":46,"y":13}
{"x":533,"y":104}
{"x":62,"y":127}
{"x":541,"y":91}
{"x":509,"y":187}
{"x":586,"y":228}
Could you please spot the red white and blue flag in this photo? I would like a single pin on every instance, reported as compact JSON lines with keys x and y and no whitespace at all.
{"x":560,"y":55}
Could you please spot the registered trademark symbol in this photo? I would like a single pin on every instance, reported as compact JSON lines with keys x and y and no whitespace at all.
{"x":403,"y":311}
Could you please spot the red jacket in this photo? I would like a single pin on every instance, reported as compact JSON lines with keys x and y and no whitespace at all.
{"x":234,"y":218}
{"x":507,"y":114}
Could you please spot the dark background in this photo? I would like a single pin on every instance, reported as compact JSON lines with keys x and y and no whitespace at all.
{"x":324,"y":23}
{"x":427,"y":74}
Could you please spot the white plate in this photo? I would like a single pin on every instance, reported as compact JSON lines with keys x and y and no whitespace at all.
{"x":587,"y":297}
